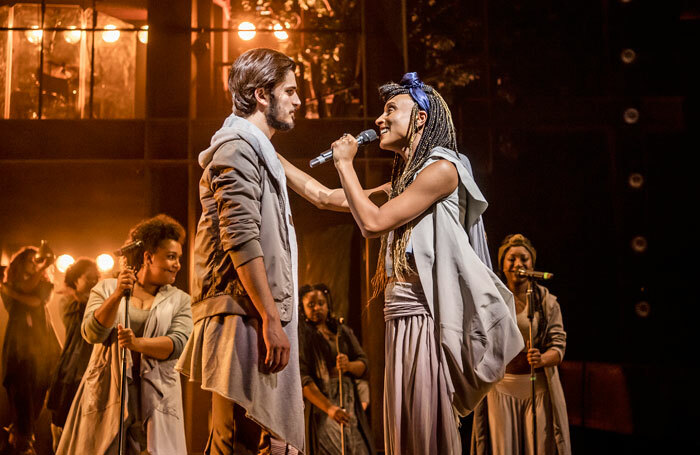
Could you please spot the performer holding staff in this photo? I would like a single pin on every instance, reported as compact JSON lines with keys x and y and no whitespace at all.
{"x":503,"y":423}
{"x":331,"y":361}
{"x":160,"y":324}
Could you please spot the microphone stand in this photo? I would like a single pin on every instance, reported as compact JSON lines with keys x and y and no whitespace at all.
{"x":530,"y":317}
{"x":122,"y":393}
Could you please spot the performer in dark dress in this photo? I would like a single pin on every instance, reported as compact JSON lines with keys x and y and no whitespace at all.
{"x":320,"y":364}
{"x":30,"y":350}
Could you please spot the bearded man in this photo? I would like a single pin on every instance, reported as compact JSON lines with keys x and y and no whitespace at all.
{"x":244,"y":289}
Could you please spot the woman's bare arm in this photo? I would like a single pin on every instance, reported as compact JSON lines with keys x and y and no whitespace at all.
{"x":436,"y":181}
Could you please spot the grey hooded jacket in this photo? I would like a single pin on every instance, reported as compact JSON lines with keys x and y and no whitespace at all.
{"x":245,"y":215}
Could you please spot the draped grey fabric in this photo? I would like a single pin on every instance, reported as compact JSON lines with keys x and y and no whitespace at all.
{"x":418,"y":414}
{"x":477,"y":232}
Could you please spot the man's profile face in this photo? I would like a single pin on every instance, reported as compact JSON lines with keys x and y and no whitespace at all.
{"x":284,"y":101}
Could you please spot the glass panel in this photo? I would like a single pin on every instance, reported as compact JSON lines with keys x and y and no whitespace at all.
{"x":25,"y":48}
{"x":115,"y":68}
{"x":328,"y":73}
{"x":322,"y":36}
{"x":64,"y":51}
{"x":331,"y":67}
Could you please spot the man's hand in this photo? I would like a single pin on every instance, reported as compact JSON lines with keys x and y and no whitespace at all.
{"x":276,"y":345}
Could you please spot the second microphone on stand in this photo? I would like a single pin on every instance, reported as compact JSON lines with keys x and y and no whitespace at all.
{"x":535,"y":274}
{"x":363,"y":138}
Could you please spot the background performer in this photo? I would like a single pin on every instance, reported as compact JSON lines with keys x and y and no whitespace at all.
{"x":320,"y":364}
{"x":160,"y":324}
{"x":30,"y":349}
{"x":79,"y":280}
{"x":503,"y":421}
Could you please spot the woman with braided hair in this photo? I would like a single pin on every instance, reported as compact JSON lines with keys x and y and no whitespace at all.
{"x":450,"y":322}
{"x":503,"y":421}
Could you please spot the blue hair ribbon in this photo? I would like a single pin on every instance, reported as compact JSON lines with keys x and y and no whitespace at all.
{"x":415,"y":88}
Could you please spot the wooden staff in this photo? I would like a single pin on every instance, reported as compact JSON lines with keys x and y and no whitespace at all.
{"x":340,"y":388}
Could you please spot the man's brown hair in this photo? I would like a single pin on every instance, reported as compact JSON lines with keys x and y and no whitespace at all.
{"x":254,"y":69}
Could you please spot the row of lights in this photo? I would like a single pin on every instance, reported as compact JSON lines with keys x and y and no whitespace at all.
{"x":72,"y":36}
{"x":639,"y":243}
{"x":105,"y":262}
{"x":247,"y":31}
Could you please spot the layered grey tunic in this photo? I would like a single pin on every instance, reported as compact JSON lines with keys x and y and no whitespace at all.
{"x":245,"y":215}
{"x":449,"y":335}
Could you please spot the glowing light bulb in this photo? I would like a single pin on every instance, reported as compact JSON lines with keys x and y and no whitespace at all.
{"x":63,"y":262}
{"x":110,"y":35}
{"x":280,"y":34}
{"x":105,"y":262}
{"x":72,"y":36}
{"x":143,"y":34}
{"x":34,"y":35}
{"x":246,"y":31}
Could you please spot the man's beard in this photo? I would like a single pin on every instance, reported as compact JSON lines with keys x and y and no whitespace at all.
{"x":273,"y":115}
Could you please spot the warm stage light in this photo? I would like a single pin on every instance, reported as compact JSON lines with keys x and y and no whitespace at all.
{"x":639,"y":244}
{"x":34,"y":36}
{"x":628,"y":56}
{"x":642,"y":309}
{"x":63,"y":262}
{"x":72,"y":36}
{"x":246,"y":31}
{"x":631,"y":116}
{"x":110,"y":36}
{"x":143,"y":34}
{"x":280,"y":34}
{"x":636,"y":180}
{"x":105,"y":262}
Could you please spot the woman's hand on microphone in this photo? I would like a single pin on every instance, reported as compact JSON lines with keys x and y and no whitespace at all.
{"x":344,"y":149}
{"x":125,"y":280}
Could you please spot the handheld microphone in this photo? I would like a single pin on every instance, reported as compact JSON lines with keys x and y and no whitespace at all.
{"x":363,"y":138}
{"x":128,"y":247}
{"x":534,"y":274}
